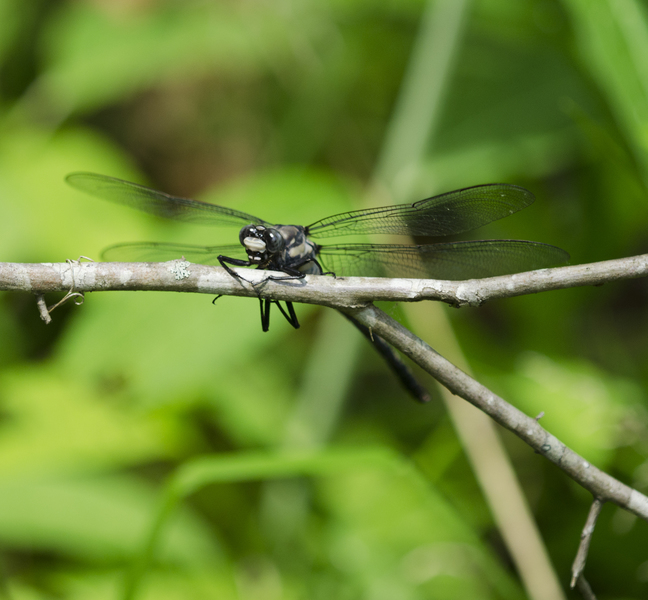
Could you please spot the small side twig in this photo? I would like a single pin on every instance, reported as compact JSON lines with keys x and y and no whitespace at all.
{"x":45,"y":311}
{"x":583,"y":548}
{"x":42,"y":309}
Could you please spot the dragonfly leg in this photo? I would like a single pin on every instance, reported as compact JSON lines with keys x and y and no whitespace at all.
{"x":237,"y":262}
{"x":264,"y":305}
{"x":291,"y":317}
{"x":319,"y":266}
{"x":395,"y":363}
{"x":291,"y":273}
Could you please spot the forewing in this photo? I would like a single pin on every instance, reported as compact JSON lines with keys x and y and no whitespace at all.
{"x":159,"y":252}
{"x":447,"y":214}
{"x":455,"y":261}
{"x":158,"y":203}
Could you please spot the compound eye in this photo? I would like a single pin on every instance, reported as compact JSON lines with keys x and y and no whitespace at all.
{"x":274,"y":241}
{"x":247,"y":231}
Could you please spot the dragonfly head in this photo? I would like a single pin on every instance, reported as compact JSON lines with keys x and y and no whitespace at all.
{"x":261,"y":243}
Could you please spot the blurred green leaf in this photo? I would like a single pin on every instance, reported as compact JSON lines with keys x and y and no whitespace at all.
{"x":98,"y":519}
{"x":98,"y":56}
{"x":393,"y":532}
{"x":583,"y":407}
{"x":106,"y":585}
{"x":613,"y":41}
{"x":54,"y":424}
{"x":43,"y":218}
{"x":12,"y":13}
{"x":526,"y":156}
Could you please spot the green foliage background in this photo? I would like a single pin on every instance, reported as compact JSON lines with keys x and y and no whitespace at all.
{"x":153,"y":426}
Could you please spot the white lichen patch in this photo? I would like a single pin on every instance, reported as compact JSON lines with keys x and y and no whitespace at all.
{"x":180,"y":269}
{"x":125,"y":275}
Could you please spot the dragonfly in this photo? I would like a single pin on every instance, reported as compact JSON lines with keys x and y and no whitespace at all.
{"x":295,"y":251}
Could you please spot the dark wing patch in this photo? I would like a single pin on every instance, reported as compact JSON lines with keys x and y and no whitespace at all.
{"x":446,"y":214}
{"x":454,"y":261}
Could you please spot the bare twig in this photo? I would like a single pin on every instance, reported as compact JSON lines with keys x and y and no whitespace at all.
{"x":586,"y":538}
{"x":42,"y":309}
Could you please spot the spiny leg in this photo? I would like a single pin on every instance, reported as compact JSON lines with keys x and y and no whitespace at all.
{"x":237,"y":262}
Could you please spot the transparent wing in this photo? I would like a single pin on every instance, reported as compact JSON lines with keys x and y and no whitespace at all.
{"x":159,"y":252}
{"x":447,"y":214}
{"x":158,"y":203}
{"x":455,"y":261}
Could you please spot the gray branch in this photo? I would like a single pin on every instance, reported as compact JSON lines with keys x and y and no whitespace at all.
{"x":600,"y":484}
{"x":354,"y":295}
{"x":179,"y":276}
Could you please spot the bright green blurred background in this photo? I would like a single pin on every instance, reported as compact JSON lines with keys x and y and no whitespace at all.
{"x":280,"y":109}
